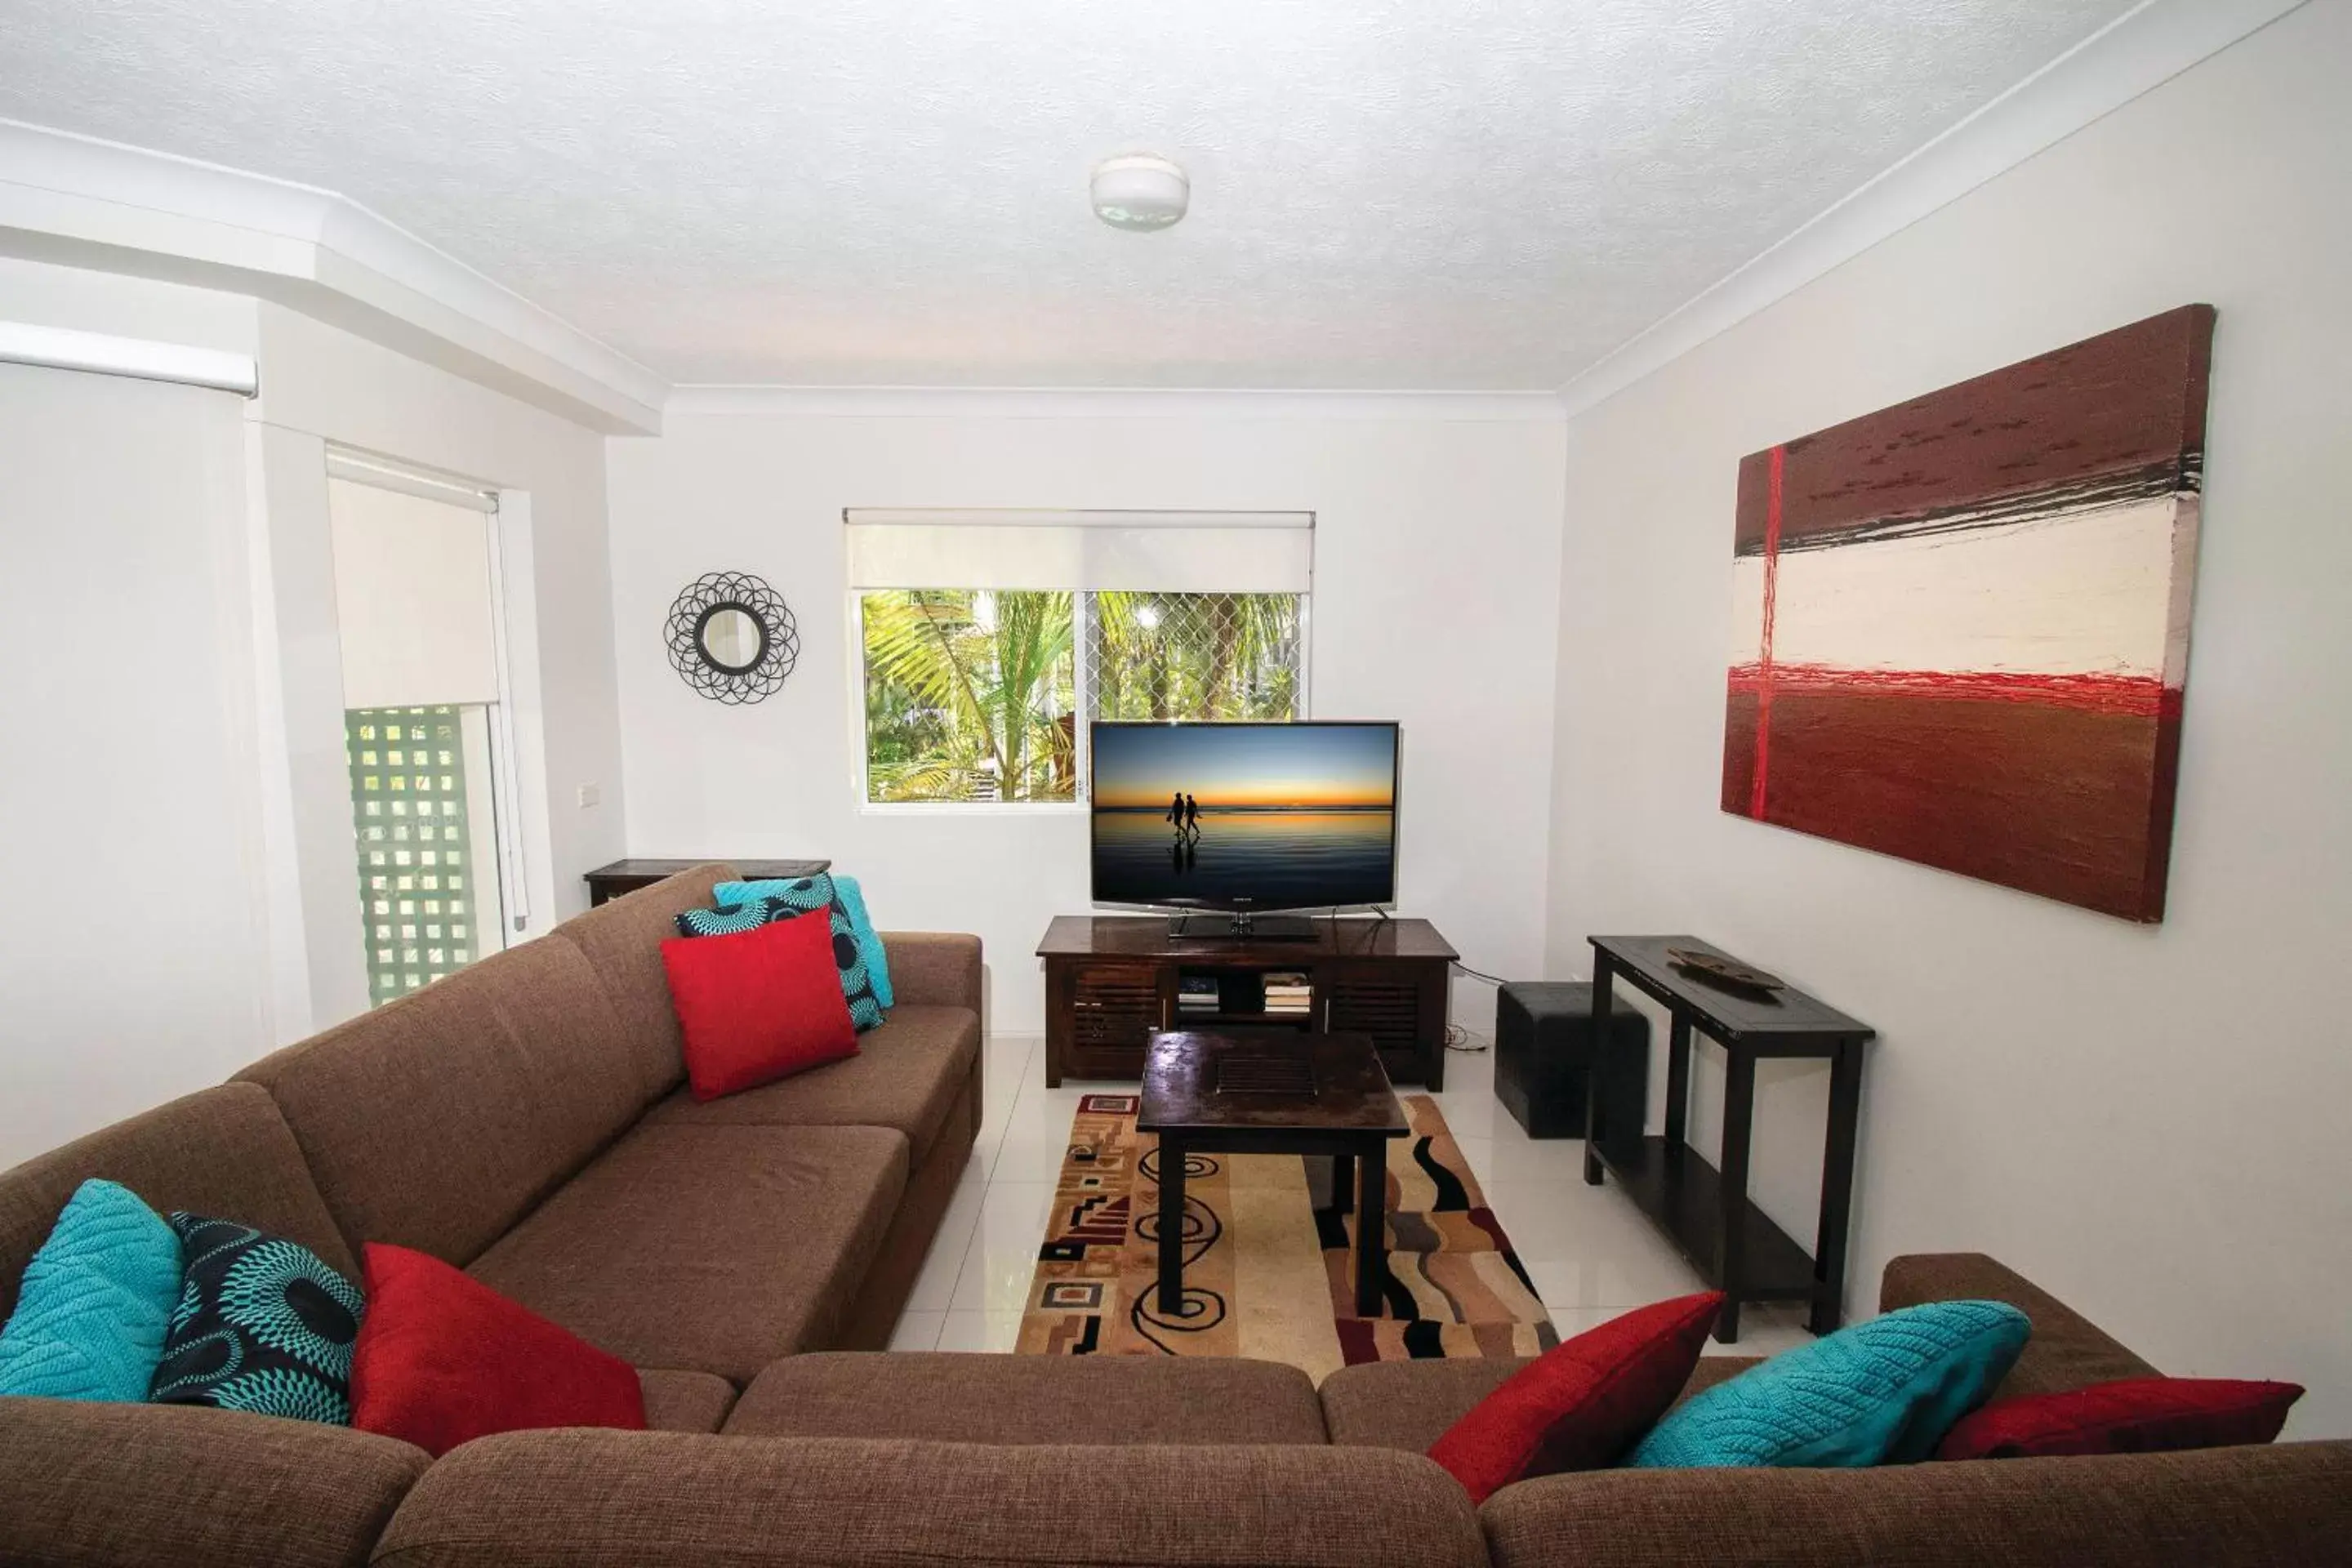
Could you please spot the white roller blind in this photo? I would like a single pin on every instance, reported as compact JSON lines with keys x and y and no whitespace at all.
{"x":1153,"y":552}
{"x":411,"y":598}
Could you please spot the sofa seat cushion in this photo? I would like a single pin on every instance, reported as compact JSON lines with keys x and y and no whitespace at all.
{"x":906,"y":1075}
{"x":1410,"y":1404}
{"x":684,"y":1401}
{"x":712,"y":1249}
{"x":940,"y":1396}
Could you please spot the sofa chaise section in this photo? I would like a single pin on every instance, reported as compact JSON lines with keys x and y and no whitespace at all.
{"x":713,"y":1249}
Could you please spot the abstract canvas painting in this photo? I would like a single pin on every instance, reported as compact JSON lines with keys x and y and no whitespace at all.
{"x":1960,"y":625}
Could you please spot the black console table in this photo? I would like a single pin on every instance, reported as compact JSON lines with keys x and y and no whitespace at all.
{"x":609,"y":882}
{"x":1704,"y":1211}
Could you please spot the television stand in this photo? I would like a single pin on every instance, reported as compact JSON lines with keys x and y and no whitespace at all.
{"x":1239,"y":926}
{"x":1112,"y":982}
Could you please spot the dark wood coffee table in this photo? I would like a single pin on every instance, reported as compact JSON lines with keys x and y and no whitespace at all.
{"x":1304,"y":1094}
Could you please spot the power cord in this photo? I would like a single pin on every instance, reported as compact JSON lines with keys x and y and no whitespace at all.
{"x":1458,"y":1038}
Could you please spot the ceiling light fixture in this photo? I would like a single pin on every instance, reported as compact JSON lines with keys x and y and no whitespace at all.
{"x":1139,"y":191}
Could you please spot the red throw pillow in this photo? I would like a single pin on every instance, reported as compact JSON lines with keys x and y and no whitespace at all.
{"x":2136,"y":1415}
{"x":442,"y":1359}
{"x":758,"y":1004}
{"x":1583,"y":1403}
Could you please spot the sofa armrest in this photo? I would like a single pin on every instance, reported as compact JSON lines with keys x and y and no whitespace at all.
{"x":2217,"y":1508}
{"x":939,"y":969}
{"x":2066,"y":1351}
{"x":187,"y":1486}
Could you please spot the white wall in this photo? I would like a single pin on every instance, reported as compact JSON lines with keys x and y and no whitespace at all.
{"x":324,"y":382}
{"x":2151,"y":1121}
{"x":1435,"y":566}
{"x":170,"y":688}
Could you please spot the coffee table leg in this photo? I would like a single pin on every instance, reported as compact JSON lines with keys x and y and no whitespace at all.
{"x":1343,"y":1183}
{"x":1371,"y":1229}
{"x":1172,"y":1226}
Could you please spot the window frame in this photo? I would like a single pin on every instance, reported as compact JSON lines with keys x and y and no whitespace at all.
{"x":854,"y":624}
{"x":503,"y":734}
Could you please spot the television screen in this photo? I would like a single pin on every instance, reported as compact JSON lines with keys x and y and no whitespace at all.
{"x":1244,"y":816}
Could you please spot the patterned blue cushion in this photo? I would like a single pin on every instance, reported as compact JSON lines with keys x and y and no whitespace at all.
{"x":1882,"y":1391}
{"x":262,"y":1325}
{"x":89,"y":1318}
{"x":805,"y":896}
{"x":861,"y":924}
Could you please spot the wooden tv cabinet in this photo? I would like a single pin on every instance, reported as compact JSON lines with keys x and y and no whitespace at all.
{"x":1111,"y":980}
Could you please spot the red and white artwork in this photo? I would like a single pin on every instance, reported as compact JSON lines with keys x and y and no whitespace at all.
{"x":1960,"y":626}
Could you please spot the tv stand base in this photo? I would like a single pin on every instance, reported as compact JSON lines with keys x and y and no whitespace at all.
{"x":1240,"y":927}
{"x":1113,"y":981}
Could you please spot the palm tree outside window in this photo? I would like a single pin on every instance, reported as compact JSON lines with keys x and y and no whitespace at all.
{"x":982,"y":695}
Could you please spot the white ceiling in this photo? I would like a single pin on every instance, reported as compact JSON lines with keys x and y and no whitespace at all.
{"x":884,"y":192}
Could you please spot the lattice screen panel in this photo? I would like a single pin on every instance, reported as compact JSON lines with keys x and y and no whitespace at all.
{"x":408,"y":805}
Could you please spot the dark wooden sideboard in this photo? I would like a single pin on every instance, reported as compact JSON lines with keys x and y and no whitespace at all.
{"x":1111,"y":980}
{"x":606,"y":883}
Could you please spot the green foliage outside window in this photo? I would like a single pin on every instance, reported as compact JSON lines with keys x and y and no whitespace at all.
{"x":977,"y":695}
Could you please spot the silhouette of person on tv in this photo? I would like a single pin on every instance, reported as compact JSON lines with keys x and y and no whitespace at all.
{"x":1176,"y":812}
{"x":1192,"y":816}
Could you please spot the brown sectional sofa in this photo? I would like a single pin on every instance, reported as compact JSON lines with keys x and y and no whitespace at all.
{"x":524,"y":1120}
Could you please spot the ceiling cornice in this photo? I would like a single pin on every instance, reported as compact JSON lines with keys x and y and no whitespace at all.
{"x":2140,"y":50}
{"x":1111,"y":403}
{"x":83,"y":201}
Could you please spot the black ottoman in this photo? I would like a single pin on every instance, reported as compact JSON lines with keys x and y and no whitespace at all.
{"x":1543,"y":1049}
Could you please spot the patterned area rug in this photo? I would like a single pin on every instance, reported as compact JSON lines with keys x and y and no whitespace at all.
{"x":1273,"y":1269}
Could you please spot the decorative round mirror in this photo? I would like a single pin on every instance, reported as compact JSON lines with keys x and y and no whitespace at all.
{"x":732,"y":639}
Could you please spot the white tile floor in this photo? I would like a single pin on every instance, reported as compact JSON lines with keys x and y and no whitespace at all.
{"x":1591,"y":1255}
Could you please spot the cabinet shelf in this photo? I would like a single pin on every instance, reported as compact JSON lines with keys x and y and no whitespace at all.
{"x":1112,"y":980}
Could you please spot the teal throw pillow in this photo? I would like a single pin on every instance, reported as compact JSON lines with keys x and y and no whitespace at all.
{"x":1883,"y":1392}
{"x":96,"y":1300}
{"x":861,"y":924}
{"x":263,"y":1325}
{"x":807,"y":895}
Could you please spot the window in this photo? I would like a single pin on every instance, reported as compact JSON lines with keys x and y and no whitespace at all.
{"x":427,"y":842}
{"x":416,"y":614}
{"x":982,"y":692}
{"x":979,"y":694}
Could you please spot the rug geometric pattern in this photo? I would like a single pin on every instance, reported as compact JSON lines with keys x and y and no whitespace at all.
{"x":1267,"y":1273}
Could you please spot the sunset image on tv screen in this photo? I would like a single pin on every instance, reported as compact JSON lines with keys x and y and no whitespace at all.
{"x":1259,"y":816}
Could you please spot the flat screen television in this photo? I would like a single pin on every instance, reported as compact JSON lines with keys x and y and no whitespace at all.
{"x":1245,"y":817}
